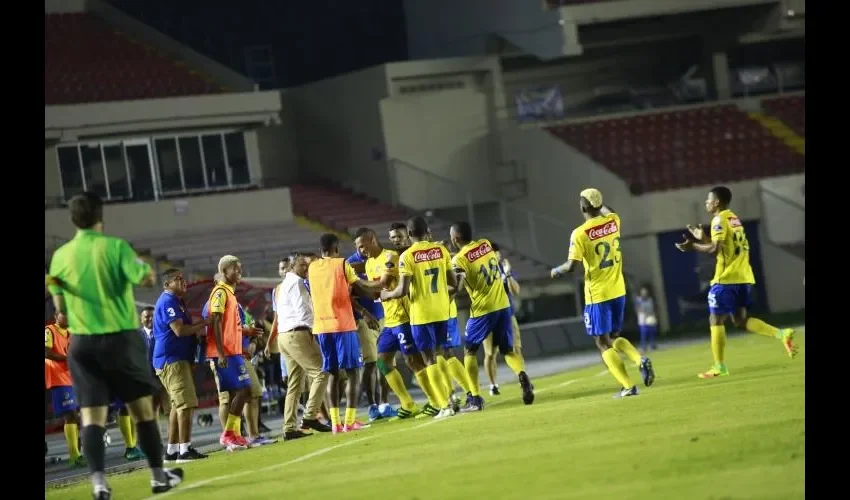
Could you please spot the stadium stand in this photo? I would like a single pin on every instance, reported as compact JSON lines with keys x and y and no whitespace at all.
{"x":259,"y":246}
{"x":85,"y":60}
{"x":675,"y":149}
{"x":790,"y":109}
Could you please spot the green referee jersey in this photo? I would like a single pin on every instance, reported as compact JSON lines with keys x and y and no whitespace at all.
{"x":96,"y":276}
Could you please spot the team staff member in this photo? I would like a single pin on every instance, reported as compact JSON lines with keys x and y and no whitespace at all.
{"x":333,"y":321}
{"x":57,"y":379}
{"x":300,"y":351}
{"x":175,"y":341}
{"x":91,"y":279}
{"x":224,"y":348}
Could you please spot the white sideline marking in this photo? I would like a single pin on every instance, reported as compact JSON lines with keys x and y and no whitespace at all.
{"x":329,"y":449}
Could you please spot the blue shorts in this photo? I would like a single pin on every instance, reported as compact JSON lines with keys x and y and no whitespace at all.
{"x":605,"y":317}
{"x":235,"y":376}
{"x":430,"y":336}
{"x":498,"y":323}
{"x":453,"y":335}
{"x":64,"y":400}
{"x":397,"y":338}
{"x":727,"y":299}
{"x":340,"y":351}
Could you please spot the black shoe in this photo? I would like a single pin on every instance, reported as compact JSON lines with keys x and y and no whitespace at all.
{"x":190,"y":456}
{"x":170,"y":457}
{"x":527,"y":388}
{"x":173,"y":477}
{"x":102,"y":494}
{"x":314,"y":424}
{"x":290,"y":435}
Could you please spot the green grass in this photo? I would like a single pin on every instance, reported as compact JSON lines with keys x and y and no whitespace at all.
{"x":738,"y":437}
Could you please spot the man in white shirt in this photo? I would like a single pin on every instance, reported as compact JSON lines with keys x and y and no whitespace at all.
{"x":299,"y":350}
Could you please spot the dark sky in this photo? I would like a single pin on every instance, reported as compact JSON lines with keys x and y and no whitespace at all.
{"x":309,"y":39}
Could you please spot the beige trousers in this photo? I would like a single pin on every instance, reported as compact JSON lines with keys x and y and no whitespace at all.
{"x":303,"y":359}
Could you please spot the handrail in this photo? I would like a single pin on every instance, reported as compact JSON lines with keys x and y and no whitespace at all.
{"x":782,"y":197}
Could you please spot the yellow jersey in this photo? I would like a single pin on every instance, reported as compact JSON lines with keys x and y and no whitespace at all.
{"x":427,"y":264}
{"x":452,"y":309}
{"x":596,"y":244}
{"x":395,"y":310}
{"x":733,"y":250}
{"x":483,"y":281}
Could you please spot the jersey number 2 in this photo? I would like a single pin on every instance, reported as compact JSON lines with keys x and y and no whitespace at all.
{"x":604,"y":248}
{"x":433,"y":272}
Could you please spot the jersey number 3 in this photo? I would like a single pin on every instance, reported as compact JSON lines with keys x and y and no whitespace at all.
{"x":604,"y":248}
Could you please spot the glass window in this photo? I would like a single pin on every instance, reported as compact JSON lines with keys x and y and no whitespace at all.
{"x":93,"y":169}
{"x":237,"y":158}
{"x":214,"y":159}
{"x":169,"y":165}
{"x":69,"y":171}
{"x":116,"y":172}
{"x":190,"y":156}
{"x":139,"y":161}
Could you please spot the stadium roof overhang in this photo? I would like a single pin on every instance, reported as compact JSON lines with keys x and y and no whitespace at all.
{"x":71,"y":123}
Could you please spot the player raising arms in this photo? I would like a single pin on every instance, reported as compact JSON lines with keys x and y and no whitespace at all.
{"x":425,"y":274}
{"x":733,"y":281}
{"x":596,"y":244}
{"x":490,"y":312}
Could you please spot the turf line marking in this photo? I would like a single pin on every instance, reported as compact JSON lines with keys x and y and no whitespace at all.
{"x":329,"y":449}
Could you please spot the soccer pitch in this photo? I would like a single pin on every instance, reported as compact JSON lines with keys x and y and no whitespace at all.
{"x":737,"y":437}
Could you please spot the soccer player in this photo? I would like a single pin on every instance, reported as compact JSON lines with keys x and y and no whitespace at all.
{"x":333,"y":322}
{"x":224,"y":348}
{"x":425,"y":275}
{"x":251,"y":411}
{"x":174,"y":346}
{"x":512,"y":290}
{"x":729,"y":295}
{"x":489,"y":313}
{"x":647,"y":320}
{"x":399,"y":236}
{"x":57,"y":379}
{"x":396,"y":335}
{"x":373,"y":316}
{"x":91,"y":279}
{"x":596,"y":244}
{"x":452,"y":366}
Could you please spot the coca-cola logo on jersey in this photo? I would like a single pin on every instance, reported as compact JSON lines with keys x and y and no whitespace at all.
{"x":734,"y":222}
{"x":601,"y":230}
{"x":478,"y":251}
{"x":427,"y":255}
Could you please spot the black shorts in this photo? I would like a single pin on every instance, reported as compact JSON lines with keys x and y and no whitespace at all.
{"x":105,"y":367}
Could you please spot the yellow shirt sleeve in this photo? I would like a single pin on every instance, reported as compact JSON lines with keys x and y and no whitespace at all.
{"x":350,"y":274}
{"x":576,"y":246}
{"x":459,"y":263}
{"x":48,"y":338}
{"x":718,"y":228}
{"x":218,"y":300}
{"x":405,"y":264}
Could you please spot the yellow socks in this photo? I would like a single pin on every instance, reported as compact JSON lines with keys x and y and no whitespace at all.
{"x":350,"y":415}
{"x":397,"y":385}
{"x":718,"y":343}
{"x":617,"y":368}
{"x":125,"y":423}
{"x":435,"y":375}
{"x":425,"y":384}
{"x":459,"y":374}
{"x":624,"y":346}
{"x":335,"y":417}
{"x":470,"y":363}
{"x":233,"y":423}
{"x":447,"y":376}
{"x":515,"y":362}
{"x":238,"y":429}
{"x":754,"y":325}
{"x":72,"y":436}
